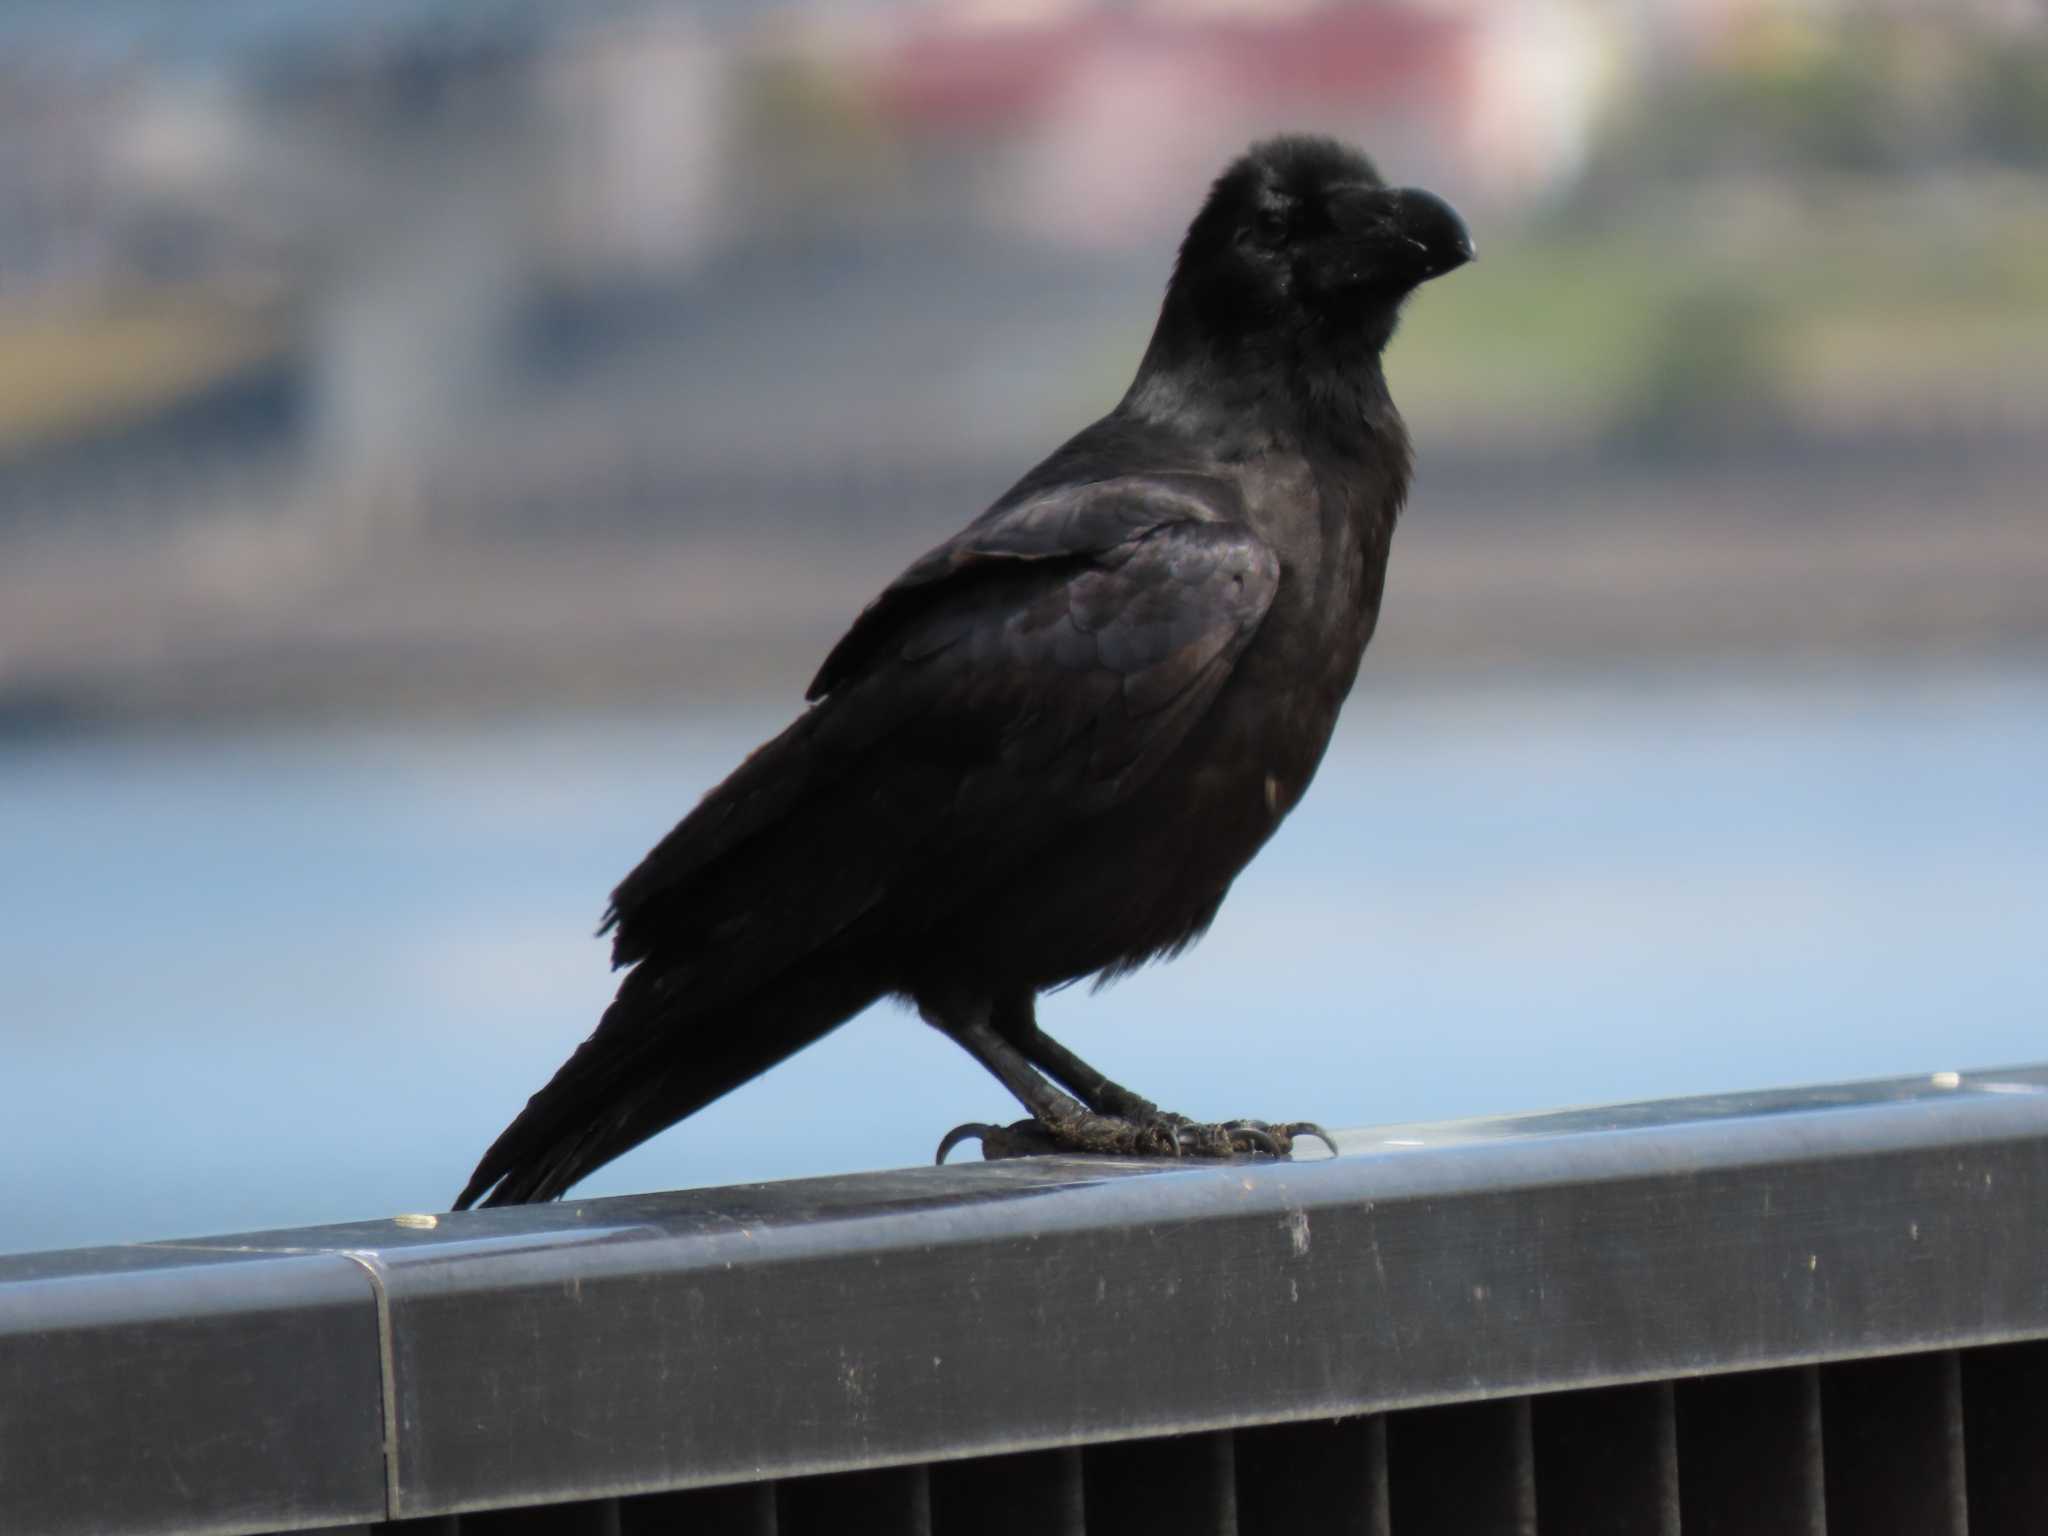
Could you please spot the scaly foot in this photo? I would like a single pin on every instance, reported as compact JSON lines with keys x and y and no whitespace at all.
{"x":1155,"y":1135}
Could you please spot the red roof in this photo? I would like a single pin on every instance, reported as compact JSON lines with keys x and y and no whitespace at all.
{"x":945,"y":77}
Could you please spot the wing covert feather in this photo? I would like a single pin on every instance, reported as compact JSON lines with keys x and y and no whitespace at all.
{"x":1008,"y":702}
{"x":1123,"y":652}
{"x":1061,"y":523}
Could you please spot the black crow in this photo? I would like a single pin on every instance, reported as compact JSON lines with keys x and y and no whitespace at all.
{"x":1049,"y":746}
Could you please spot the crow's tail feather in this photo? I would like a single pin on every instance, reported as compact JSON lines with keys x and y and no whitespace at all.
{"x":639,"y":1073}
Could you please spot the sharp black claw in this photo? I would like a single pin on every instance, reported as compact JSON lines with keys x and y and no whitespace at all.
{"x":1256,"y":1138}
{"x":1302,"y":1128}
{"x":974,"y":1130}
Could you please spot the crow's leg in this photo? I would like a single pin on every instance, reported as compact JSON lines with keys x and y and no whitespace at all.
{"x":1059,"y":1122}
{"x":1094,"y":1088}
{"x":1106,"y":1096}
{"x":1007,"y":1040}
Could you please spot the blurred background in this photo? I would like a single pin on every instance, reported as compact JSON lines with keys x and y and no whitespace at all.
{"x":439,"y":438}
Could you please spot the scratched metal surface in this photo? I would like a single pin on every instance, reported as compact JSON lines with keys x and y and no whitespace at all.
{"x":611,"y":1347}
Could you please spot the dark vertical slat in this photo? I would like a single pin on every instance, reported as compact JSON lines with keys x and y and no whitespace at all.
{"x":2005,"y":1438}
{"x":1327,"y":1477}
{"x":744,"y":1509}
{"x":1181,"y":1486}
{"x":894,"y":1501}
{"x":1035,"y":1494}
{"x":1894,"y":1446}
{"x":1462,"y":1471}
{"x":1749,"y":1455}
{"x":1606,"y":1462}
{"x":588,"y":1517}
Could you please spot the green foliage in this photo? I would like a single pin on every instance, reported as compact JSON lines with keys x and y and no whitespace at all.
{"x":1698,"y":316}
{"x":1872,"y":95}
{"x":2008,"y":104}
{"x":1711,"y":370}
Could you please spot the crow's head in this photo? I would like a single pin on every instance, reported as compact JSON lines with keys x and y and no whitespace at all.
{"x":1301,"y":235}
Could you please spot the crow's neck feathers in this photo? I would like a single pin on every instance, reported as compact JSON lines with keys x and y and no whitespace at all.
{"x":1318,"y":384}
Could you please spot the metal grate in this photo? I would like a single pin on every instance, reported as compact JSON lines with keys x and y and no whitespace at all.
{"x":1942,"y":1444}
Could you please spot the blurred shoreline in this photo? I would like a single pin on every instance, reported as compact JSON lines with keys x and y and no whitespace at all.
{"x":1853,"y":548}
{"x":490,"y":357}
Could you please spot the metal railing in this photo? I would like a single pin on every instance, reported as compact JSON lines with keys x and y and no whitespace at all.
{"x":1815,"y":1310}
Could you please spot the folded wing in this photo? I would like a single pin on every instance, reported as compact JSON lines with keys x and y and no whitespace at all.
{"x":1031,"y":672}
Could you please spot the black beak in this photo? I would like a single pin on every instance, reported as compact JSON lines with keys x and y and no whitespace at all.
{"x":1411,"y":234}
{"x":1434,"y":228}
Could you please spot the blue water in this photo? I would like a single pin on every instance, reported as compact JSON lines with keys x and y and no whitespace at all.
{"x":270,"y":980}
